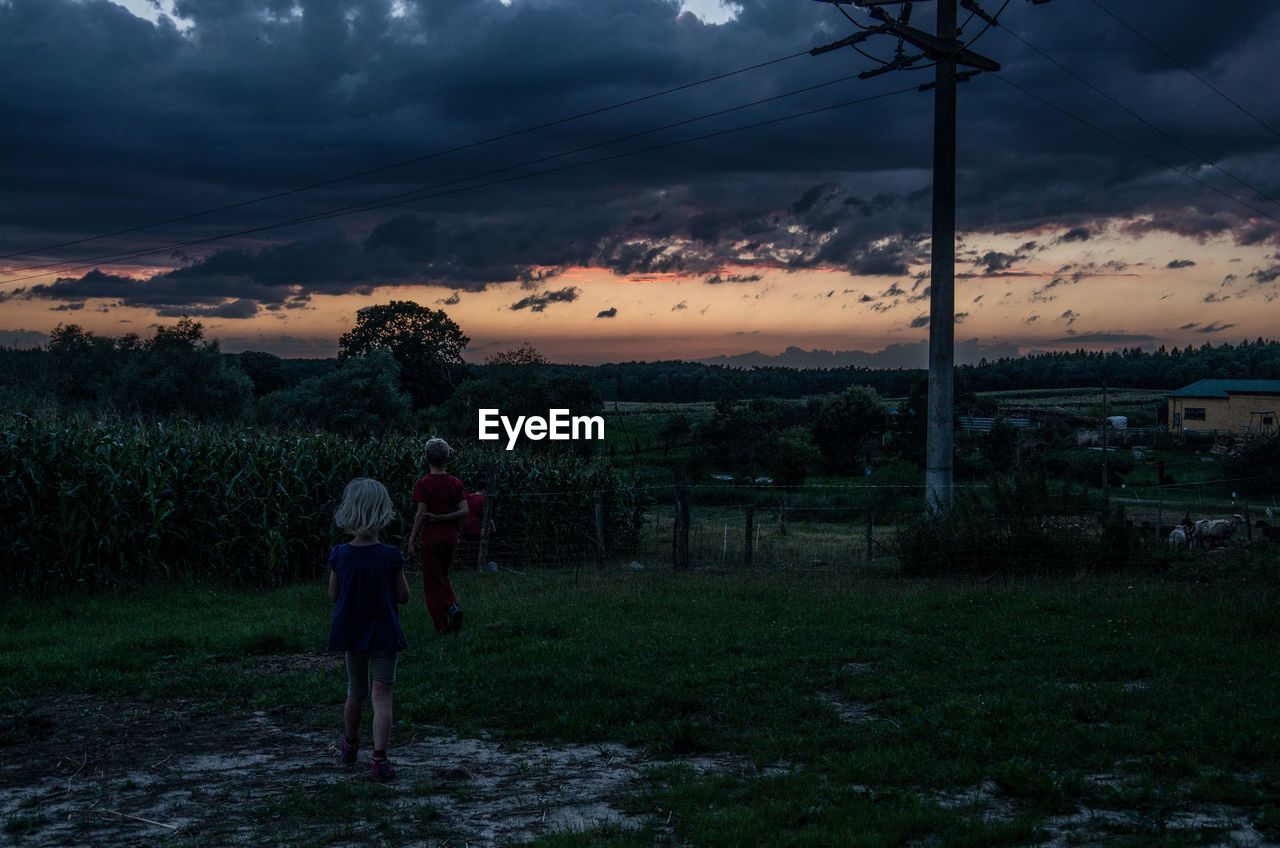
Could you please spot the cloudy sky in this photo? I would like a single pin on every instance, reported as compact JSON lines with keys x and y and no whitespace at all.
{"x":270,"y":166}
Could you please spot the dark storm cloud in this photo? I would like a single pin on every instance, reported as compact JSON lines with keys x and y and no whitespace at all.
{"x":242,"y":308}
{"x":1215,"y":327}
{"x":539,"y":302}
{"x":1181,"y":263}
{"x":1266,"y":276}
{"x":254,"y":97}
{"x":1041,"y":295}
{"x":611,"y":312}
{"x":995,"y":261}
{"x":717,"y":279}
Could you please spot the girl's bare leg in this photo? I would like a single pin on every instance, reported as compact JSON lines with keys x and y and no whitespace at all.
{"x":352,"y":712}
{"x":381,"y":714}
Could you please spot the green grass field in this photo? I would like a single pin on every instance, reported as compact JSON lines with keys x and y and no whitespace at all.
{"x":839,"y":709}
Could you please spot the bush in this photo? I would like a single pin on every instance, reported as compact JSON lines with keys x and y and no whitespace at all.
{"x":1255,"y":465}
{"x":1016,"y":528}
{"x":361,"y":398}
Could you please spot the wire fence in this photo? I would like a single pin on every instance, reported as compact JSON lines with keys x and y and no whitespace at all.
{"x":860,"y":524}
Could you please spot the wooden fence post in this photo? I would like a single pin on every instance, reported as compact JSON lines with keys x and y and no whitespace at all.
{"x":486,"y":515}
{"x":680,"y":536}
{"x":869,"y":539}
{"x":599,"y":499}
{"x":748,"y":546}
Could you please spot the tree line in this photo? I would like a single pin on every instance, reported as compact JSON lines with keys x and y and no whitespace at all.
{"x":401,"y":364}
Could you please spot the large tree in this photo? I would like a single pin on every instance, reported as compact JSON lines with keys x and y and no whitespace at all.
{"x":178,"y":372}
{"x":843,"y":425}
{"x":361,"y":397}
{"x":425,"y":342}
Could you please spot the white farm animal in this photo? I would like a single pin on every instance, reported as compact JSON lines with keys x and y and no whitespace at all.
{"x":1178,"y":537}
{"x":1211,"y":532}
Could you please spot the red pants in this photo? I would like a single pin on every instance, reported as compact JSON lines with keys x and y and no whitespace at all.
{"x":437,"y":559}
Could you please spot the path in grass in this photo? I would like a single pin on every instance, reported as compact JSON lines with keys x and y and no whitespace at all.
{"x":131,"y":772}
{"x":122,"y":772}
{"x":807,"y":709}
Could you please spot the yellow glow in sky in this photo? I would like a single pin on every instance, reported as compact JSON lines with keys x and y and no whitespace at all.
{"x":1055,"y":295}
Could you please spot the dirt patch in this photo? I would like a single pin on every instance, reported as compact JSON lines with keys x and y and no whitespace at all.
{"x":79,"y":771}
{"x":1199,"y":824}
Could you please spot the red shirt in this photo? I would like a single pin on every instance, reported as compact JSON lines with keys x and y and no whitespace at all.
{"x":473,"y":524}
{"x":441,"y":493}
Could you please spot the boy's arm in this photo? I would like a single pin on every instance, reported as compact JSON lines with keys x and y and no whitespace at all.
{"x":333,"y":585}
{"x":402,"y":588}
{"x":417,"y":525}
{"x":460,"y":512}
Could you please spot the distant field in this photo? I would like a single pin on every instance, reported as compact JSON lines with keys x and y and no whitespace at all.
{"x":1076,"y":399}
{"x":652,"y":407}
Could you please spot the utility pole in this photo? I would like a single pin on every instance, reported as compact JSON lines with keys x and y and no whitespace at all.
{"x":940,"y":441}
{"x":947,"y":51}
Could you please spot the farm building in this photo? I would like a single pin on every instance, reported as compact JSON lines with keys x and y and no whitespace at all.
{"x":1225,"y":406}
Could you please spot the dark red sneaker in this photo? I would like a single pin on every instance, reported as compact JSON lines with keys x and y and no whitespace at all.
{"x":383,"y":770}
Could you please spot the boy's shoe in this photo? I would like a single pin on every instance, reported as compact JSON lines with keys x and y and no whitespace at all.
{"x":349,"y":751}
{"x":455,"y":618}
{"x":383,"y":770}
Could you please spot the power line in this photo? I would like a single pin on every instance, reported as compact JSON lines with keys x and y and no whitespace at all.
{"x":1136,"y":149}
{"x":910,"y":66}
{"x":1204,"y":159}
{"x":420,"y":192}
{"x":431,"y":192}
{"x":457,"y":149}
{"x":1174,"y":59}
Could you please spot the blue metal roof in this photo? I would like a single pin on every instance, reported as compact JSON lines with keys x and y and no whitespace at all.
{"x":1221,"y":388}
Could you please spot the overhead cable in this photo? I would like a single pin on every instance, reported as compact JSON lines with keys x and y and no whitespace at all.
{"x":1175,"y":60}
{"x":1204,"y":159}
{"x":1003,"y":78}
{"x":383,"y":168}
{"x":431,"y":192}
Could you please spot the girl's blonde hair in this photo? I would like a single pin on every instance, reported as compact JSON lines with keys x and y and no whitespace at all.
{"x":438,"y":452}
{"x":365,"y":509}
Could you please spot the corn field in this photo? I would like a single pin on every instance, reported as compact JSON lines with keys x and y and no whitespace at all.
{"x":98,"y":504}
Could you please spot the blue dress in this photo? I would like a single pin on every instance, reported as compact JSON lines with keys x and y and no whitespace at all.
{"x":366,"y":616}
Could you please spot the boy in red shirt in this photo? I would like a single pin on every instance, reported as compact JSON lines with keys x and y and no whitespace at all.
{"x":442,"y":504}
{"x":473,"y":524}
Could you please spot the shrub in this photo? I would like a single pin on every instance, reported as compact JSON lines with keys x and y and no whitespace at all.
{"x":1255,"y":465}
{"x":1015,"y":528}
